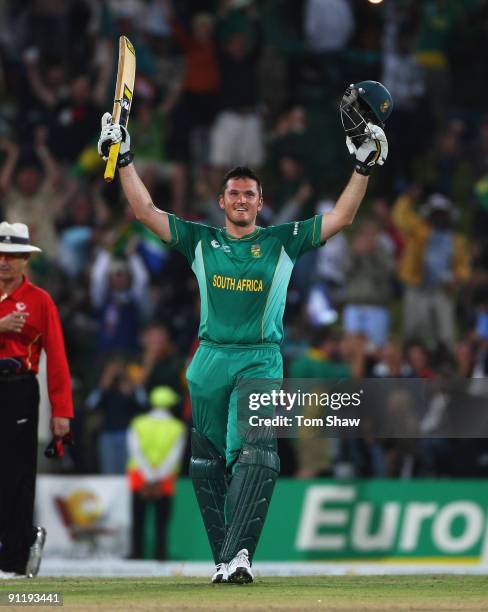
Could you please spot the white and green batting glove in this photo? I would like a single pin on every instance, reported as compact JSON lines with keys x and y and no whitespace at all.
{"x":373,"y":150}
{"x":112,"y":133}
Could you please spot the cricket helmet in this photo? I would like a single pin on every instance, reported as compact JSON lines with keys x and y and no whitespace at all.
{"x":362,"y":103}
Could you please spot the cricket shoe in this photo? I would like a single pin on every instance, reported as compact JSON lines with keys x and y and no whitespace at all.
{"x":239,"y":569}
{"x":35,"y":553}
{"x":10,"y":575}
{"x":221,"y":573}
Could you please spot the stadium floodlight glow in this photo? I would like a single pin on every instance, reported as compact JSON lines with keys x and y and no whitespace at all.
{"x":375,"y":1}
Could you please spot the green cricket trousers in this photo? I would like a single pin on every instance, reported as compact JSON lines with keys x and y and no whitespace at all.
{"x":213,"y":377}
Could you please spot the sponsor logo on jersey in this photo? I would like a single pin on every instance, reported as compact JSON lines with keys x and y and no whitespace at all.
{"x":216,"y":245}
{"x":256,"y":250}
{"x":295,"y":228}
{"x":237,"y":284}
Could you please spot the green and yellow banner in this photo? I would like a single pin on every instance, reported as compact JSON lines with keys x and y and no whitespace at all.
{"x":414,"y":521}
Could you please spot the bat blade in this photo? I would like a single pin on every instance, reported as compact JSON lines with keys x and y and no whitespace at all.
{"x":124,"y":92}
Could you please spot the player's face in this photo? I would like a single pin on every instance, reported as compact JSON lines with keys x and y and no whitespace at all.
{"x":12,"y":266}
{"x":241,"y":201}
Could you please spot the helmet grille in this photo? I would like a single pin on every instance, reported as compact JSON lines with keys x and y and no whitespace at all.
{"x":355,"y":115}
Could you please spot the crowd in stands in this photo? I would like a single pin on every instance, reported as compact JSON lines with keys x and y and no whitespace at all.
{"x":402,"y":293}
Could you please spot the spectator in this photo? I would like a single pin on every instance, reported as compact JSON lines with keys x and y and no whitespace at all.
{"x":323,"y":361}
{"x":131,"y":237}
{"x":322,"y":277}
{"x":368,"y":287}
{"x":403,"y":77}
{"x":328,"y":27}
{"x":148,"y":130}
{"x":31,"y":184}
{"x":452,"y":170}
{"x":437,"y":21}
{"x":71,"y":106}
{"x":236,"y":137}
{"x":294,"y":194}
{"x":83,"y":213}
{"x":291,"y":135}
{"x":161,"y":363}
{"x":326,"y":358}
{"x":435,"y":263}
{"x":390,"y":236}
{"x":390,"y":363}
{"x":118,"y":291}
{"x":156,"y":443}
{"x":401,"y":454}
{"x":117,"y":399}
{"x":192,"y":104}
{"x":418,"y":359}
{"x":197,"y":105}
{"x":331,"y":261}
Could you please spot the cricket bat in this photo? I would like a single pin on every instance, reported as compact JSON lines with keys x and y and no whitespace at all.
{"x":124,"y":92}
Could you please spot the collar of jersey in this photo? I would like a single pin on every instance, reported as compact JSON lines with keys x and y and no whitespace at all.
{"x":244,"y":238}
{"x":17,"y":293}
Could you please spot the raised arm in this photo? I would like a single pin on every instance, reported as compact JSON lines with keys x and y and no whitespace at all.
{"x":134,"y":189}
{"x":372,"y":151}
{"x":365,"y":106}
{"x":141,"y":203}
{"x":46,"y":95}
{"x":346,"y":207}
{"x":49,"y":164}
{"x":7,"y":170}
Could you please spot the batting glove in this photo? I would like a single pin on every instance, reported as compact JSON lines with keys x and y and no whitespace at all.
{"x":112,"y":133}
{"x":373,"y":151}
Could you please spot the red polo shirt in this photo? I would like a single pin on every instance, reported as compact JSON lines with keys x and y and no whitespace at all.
{"x":42,"y":330}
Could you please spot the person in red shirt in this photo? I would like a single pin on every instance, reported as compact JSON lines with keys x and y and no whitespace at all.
{"x":29,"y":322}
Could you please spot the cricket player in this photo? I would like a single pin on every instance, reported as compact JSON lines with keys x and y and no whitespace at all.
{"x":243,"y":272}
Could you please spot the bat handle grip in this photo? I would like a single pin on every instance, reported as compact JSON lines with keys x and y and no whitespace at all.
{"x":111,"y":162}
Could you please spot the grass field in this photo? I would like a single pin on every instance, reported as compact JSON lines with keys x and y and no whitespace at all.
{"x":301,"y":593}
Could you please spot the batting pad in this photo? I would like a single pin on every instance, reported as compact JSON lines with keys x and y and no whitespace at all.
{"x":250,"y":491}
{"x":207,"y":471}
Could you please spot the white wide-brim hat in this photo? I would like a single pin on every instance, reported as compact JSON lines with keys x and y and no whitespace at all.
{"x":14,"y":238}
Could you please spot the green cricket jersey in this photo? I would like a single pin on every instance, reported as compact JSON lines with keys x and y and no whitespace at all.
{"x":243,"y":281}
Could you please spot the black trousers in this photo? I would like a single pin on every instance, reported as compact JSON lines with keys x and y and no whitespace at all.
{"x":162,"y":508}
{"x":19,"y":416}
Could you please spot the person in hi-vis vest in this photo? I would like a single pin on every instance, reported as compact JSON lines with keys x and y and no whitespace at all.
{"x":156,"y":442}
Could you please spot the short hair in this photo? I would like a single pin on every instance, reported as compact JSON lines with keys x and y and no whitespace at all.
{"x":241,"y":172}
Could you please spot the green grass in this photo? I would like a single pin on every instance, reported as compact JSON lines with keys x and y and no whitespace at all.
{"x":300,"y":593}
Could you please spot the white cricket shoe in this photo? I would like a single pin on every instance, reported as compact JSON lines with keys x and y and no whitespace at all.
{"x":221,"y":574}
{"x":35,"y":553}
{"x":9,"y":575}
{"x":239,"y":568}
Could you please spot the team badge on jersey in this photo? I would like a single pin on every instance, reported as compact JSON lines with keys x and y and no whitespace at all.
{"x":20,"y":306}
{"x":256,"y":250}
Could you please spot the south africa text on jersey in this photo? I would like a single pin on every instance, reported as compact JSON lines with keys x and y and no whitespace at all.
{"x":237,"y":284}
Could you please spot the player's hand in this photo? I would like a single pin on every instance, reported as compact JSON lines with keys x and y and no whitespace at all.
{"x":112,"y":133}
{"x":373,"y":151}
{"x":13,"y":322}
